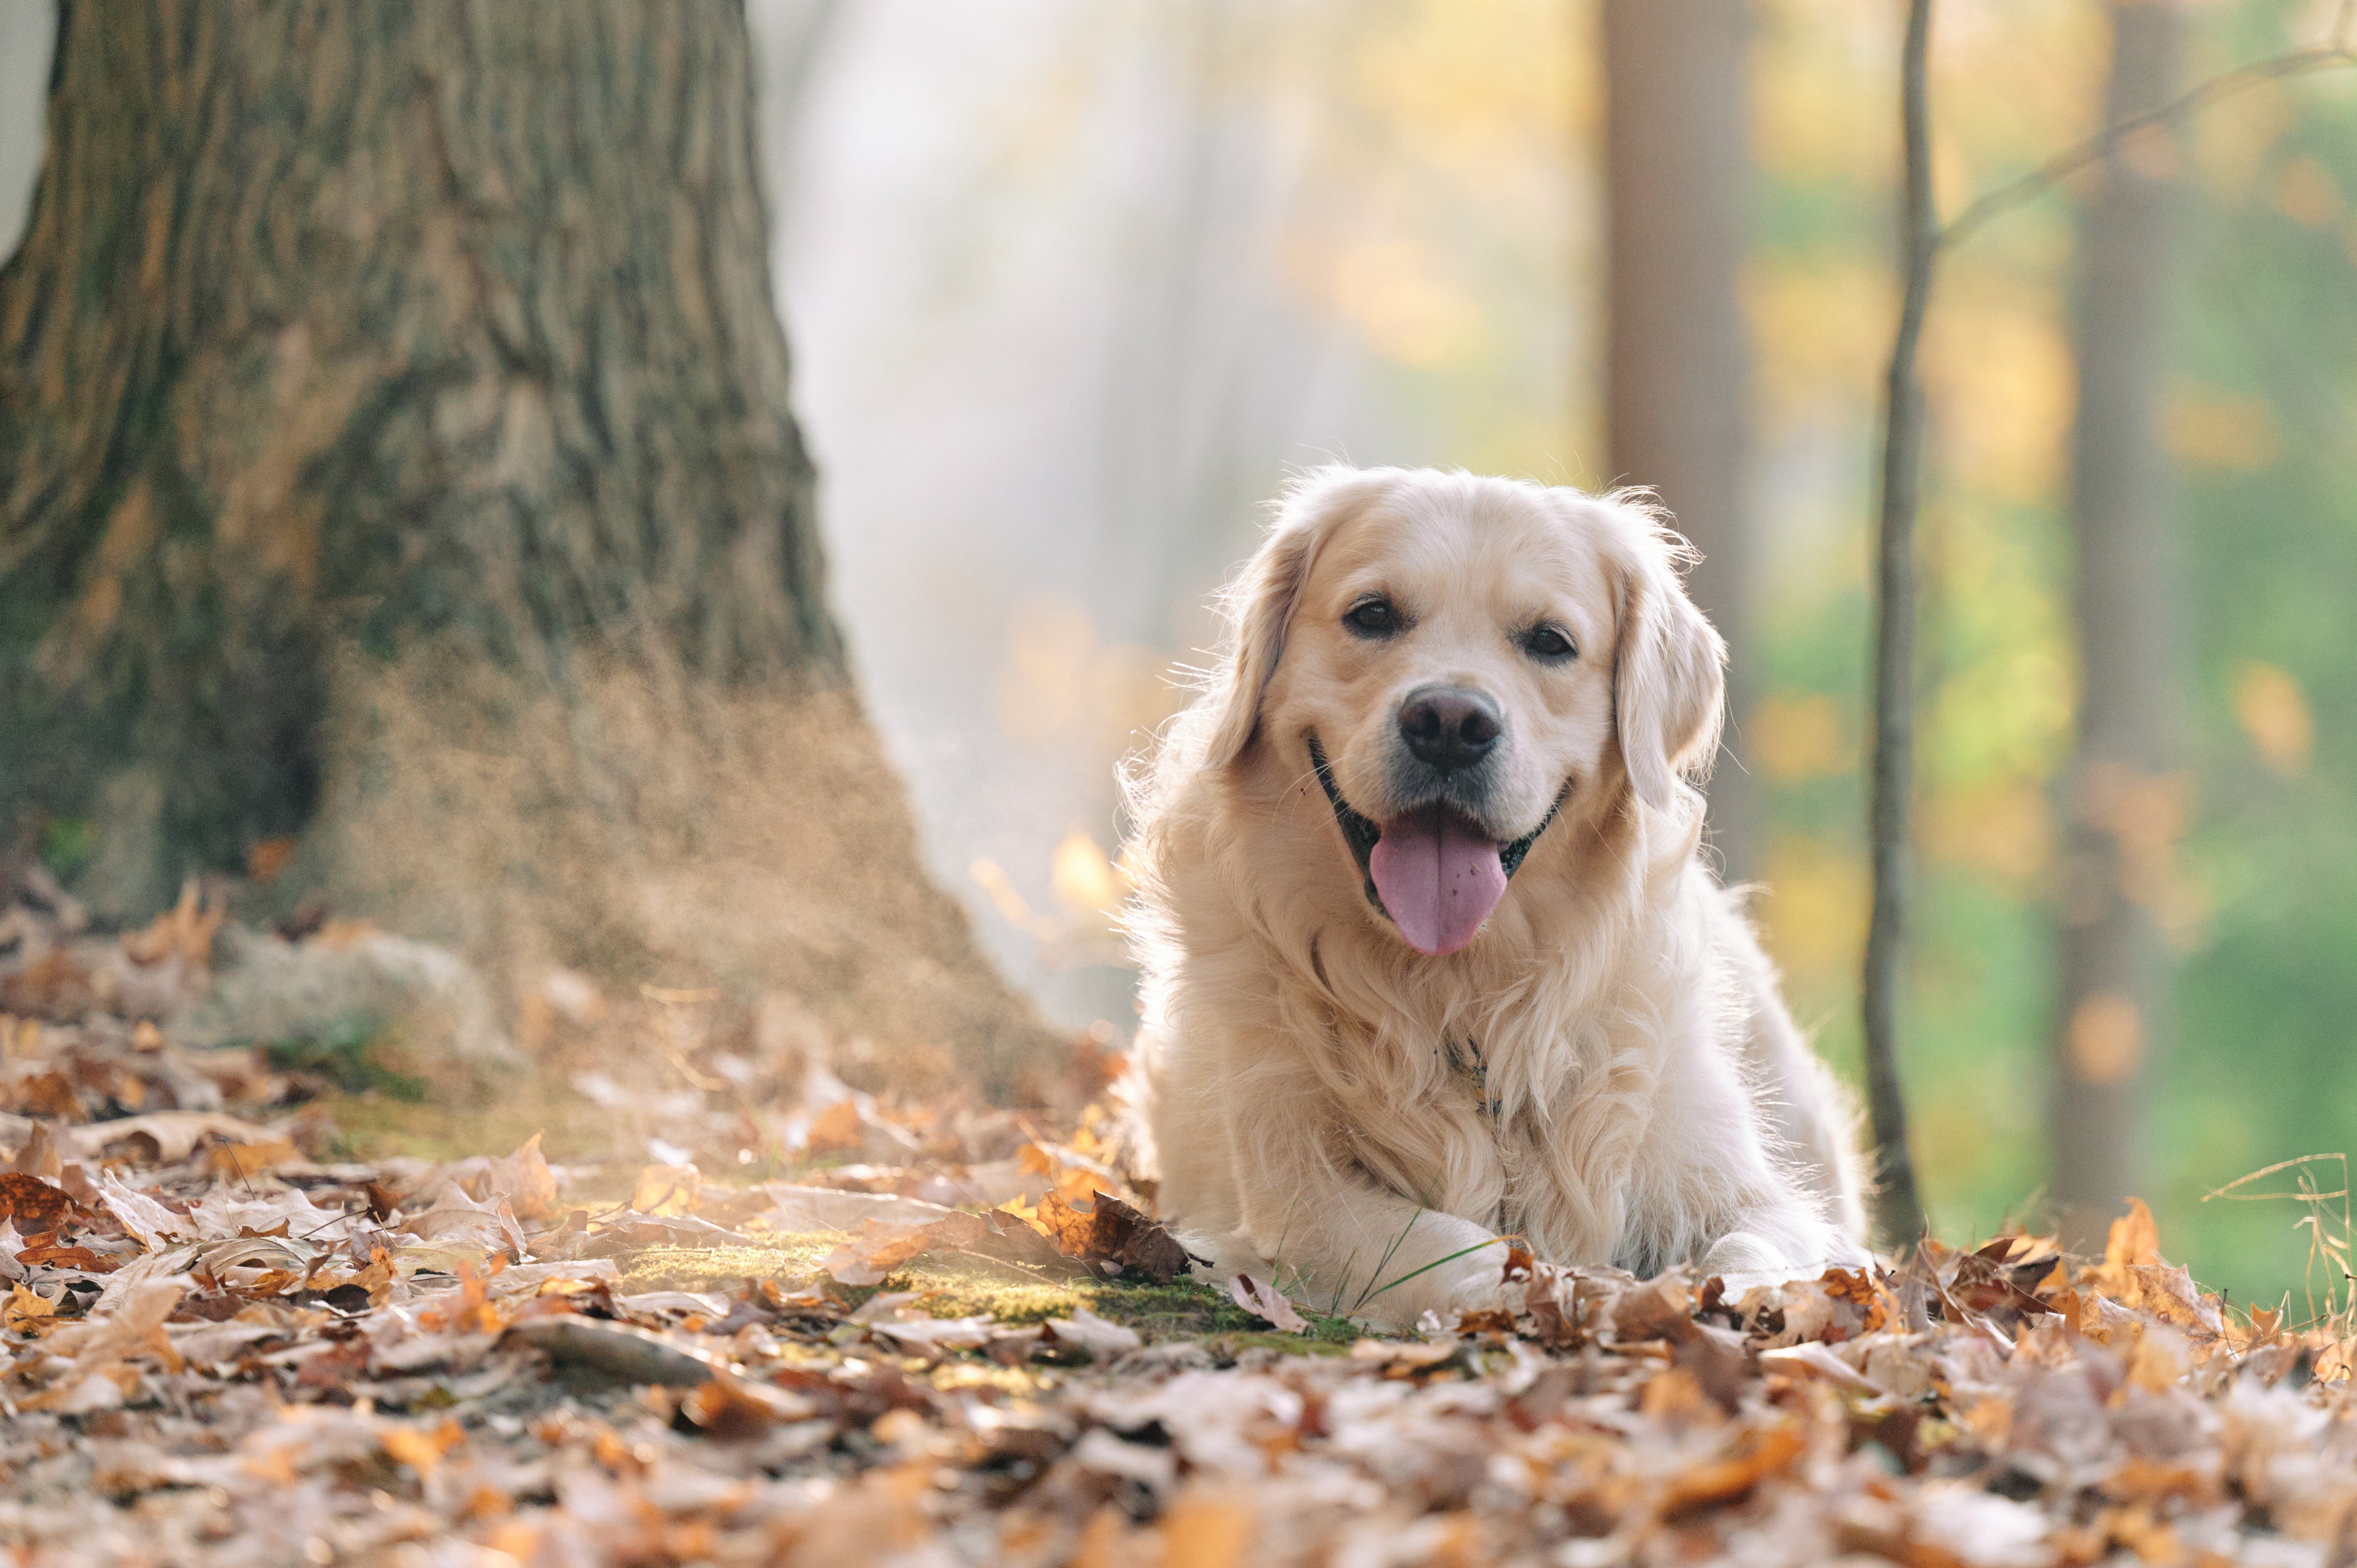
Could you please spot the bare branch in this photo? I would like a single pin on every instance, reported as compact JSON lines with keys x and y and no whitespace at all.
{"x":2341,"y":50}
{"x":1899,"y":1211}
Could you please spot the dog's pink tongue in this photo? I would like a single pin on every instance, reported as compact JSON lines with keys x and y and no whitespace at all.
{"x":1438,"y":879}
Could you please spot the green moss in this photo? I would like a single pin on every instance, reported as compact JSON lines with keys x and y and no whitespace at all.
{"x":375,"y":1124}
{"x":372,"y":1125}
{"x":349,"y":1054}
{"x":68,"y":846}
{"x":722,"y":1269}
{"x":958,"y":1287}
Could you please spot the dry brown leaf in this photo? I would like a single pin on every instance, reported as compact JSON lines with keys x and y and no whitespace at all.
{"x":1085,"y":1330}
{"x":2134,"y":1239}
{"x":2170,"y":1294}
{"x":522,"y":1181}
{"x":154,"y":1225}
{"x":184,"y":931}
{"x":733,"y":1409}
{"x":239,"y":1161}
{"x":876,"y":1252}
{"x":1755,"y":1456}
{"x":1111,"y":1232}
{"x":34,"y":1205}
{"x":1266,"y":1300}
{"x":633,"y":1355}
{"x":837,"y":1129}
{"x":1660,"y":1310}
{"x":25,"y":1309}
{"x":168,"y":1137}
{"x":667,"y":1190}
{"x":40,"y":1156}
{"x":420,"y":1449}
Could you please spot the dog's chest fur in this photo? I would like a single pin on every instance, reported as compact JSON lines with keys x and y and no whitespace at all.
{"x":1530,"y":1131}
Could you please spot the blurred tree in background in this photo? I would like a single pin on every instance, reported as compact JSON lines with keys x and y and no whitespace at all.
{"x":2123,"y":798}
{"x":1677,"y":394}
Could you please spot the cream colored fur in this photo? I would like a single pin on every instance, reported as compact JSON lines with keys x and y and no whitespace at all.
{"x":1606,"y":1070}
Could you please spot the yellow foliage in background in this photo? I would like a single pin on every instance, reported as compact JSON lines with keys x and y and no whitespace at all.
{"x":1794,"y":737}
{"x":1084,"y":877}
{"x":1999,"y":371}
{"x":2226,"y":432}
{"x":2273,"y":711}
{"x":1060,"y":682}
{"x":1811,"y":912}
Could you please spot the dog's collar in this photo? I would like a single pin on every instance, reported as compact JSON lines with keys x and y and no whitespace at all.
{"x":1360,"y":832}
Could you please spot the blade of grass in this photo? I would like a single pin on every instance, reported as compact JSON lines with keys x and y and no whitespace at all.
{"x":1389,"y":1253}
{"x":1436,"y":1262}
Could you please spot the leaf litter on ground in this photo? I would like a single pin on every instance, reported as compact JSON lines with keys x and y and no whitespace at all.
{"x":228,"y":1341}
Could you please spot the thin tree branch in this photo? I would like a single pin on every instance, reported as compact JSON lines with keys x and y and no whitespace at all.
{"x":1922,"y":239}
{"x":2341,"y":50}
{"x":1898,"y":1208}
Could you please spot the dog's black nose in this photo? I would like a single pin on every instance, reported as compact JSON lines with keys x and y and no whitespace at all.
{"x":1449,"y":727}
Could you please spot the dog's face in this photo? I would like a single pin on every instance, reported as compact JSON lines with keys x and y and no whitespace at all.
{"x":1457,"y":661}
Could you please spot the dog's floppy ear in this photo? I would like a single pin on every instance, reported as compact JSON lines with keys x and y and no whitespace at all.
{"x":1259,"y":603}
{"x":1669,"y":681}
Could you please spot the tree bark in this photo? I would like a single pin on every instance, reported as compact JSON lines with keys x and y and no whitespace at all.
{"x":1676,"y":392}
{"x":2111,"y":1006}
{"x":398,"y":325}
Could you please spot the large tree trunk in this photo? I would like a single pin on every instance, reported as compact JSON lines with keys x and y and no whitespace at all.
{"x":372,"y":346}
{"x":2113,"y":983}
{"x":1676,"y":392}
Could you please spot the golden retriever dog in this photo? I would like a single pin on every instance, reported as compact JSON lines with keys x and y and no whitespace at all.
{"x":1430,"y":954}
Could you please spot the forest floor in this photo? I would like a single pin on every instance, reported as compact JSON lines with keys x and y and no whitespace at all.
{"x":285,"y":1305}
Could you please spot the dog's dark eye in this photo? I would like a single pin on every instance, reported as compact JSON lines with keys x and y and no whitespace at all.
{"x":1372,"y":617}
{"x":1550,"y":643}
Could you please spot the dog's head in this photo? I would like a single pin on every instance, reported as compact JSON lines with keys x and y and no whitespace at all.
{"x":1458,"y":661}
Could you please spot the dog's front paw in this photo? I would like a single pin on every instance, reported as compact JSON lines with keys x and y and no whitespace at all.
{"x":1231,"y":1253}
{"x":1473,"y":1284}
{"x":1752,"y":1257}
{"x":1486,"y":1291}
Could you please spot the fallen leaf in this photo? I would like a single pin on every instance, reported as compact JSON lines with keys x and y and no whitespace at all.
{"x":667,"y":1190}
{"x":733,"y":1408}
{"x":836,"y":1129}
{"x":523,"y":1181}
{"x":240,"y":1161}
{"x":1084,"y":1330}
{"x":25,"y":1309}
{"x":34,"y":1205}
{"x":168,"y":1137}
{"x":41,"y":1156}
{"x":1755,"y":1457}
{"x":154,"y":1225}
{"x":1661,"y":1310}
{"x":1111,"y":1232}
{"x":1268,"y":1303}
{"x":631,"y":1355}
{"x":825,"y":1208}
{"x":2133,"y":1240}
{"x":876,"y":1252}
{"x":1815,"y":1360}
{"x":419,"y":1449}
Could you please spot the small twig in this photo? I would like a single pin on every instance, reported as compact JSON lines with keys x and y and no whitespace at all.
{"x":2280,"y":1165}
{"x":2096,"y":148}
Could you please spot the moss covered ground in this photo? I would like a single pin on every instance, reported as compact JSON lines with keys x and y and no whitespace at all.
{"x":375,"y":1124}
